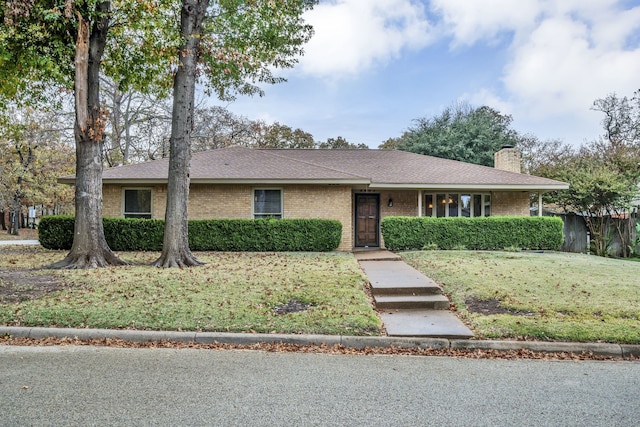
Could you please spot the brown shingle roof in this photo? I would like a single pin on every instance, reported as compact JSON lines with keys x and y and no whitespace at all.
{"x":378,"y":168}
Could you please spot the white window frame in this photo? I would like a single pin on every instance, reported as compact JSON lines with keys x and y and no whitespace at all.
{"x":253,"y":202}
{"x":124,"y":202}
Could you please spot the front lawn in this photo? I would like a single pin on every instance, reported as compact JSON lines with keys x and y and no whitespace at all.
{"x":234,"y":292}
{"x":547,"y":296}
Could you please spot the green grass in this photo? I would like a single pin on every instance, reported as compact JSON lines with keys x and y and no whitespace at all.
{"x":557,"y":296}
{"x":551,"y":296}
{"x":233,"y":292}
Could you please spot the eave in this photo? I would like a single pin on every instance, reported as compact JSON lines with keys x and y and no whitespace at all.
{"x":247,"y":181}
{"x":483,"y":187}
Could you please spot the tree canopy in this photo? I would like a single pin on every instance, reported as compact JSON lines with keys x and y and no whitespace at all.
{"x":231,"y":46}
{"x":34,"y":151}
{"x":68,"y":45}
{"x":603,"y":175}
{"x":460,"y":132}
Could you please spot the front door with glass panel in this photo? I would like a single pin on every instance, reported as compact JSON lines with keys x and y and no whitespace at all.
{"x":367,"y":220}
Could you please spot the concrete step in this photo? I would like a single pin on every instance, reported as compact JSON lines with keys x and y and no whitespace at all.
{"x":375,"y":255}
{"x":407,"y":290}
{"x":390,"y":302}
{"x":424,"y":323}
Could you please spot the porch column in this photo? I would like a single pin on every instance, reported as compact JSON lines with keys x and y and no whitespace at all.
{"x":539,"y":203}
{"x":419,"y":202}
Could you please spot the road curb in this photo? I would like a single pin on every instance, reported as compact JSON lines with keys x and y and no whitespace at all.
{"x":624,"y":351}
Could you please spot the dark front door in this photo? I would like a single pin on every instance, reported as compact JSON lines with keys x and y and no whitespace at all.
{"x":367,"y":208}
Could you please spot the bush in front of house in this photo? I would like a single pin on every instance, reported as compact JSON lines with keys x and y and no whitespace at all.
{"x":481,"y":233}
{"x":279,"y":235}
{"x":56,"y":232}
{"x":312,"y":235}
{"x":133,"y":234}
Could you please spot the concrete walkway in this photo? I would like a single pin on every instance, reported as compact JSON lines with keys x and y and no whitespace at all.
{"x":409,"y":303}
{"x":18,"y":242}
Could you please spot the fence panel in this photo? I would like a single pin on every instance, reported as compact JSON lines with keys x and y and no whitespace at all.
{"x":619,"y":231}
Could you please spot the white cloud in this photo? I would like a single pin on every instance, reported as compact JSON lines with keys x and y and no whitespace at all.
{"x":564,"y":54}
{"x":567,"y":63}
{"x":351,"y":36}
{"x":489,"y":98}
{"x":469,"y":22}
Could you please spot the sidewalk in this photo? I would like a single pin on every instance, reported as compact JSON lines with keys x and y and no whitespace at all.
{"x":18,"y":242}
{"x":623,"y":351}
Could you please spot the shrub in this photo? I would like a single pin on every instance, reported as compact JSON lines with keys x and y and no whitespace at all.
{"x":56,"y":232}
{"x":134,"y":234}
{"x":318,"y":235}
{"x":490,"y":233}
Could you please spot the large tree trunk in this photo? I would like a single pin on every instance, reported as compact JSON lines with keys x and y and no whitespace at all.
{"x":89,"y":249}
{"x":175,"y":250}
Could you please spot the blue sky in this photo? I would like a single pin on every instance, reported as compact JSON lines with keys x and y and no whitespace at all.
{"x":374,"y":66}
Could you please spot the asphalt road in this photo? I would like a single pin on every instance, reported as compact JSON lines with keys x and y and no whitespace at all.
{"x":110,"y":386}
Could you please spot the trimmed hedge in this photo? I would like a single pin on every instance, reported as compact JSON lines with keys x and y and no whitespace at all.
{"x":261,"y":235}
{"x":481,"y":233}
{"x":56,"y":232}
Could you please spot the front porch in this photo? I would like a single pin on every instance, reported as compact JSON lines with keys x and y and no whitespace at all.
{"x":370,"y":207}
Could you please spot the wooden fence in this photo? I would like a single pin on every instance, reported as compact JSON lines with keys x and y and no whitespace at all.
{"x":577,"y":237}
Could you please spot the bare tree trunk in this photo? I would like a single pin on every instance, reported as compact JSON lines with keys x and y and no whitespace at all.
{"x":89,"y":249}
{"x":175,"y":250}
{"x":15,"y":212}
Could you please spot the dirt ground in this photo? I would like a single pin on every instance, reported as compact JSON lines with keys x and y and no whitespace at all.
{"x":24,"y":234}
{"x":23,"y":285}
{"x":491,"y":306}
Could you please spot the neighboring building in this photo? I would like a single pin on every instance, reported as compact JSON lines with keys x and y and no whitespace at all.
{"x":356,"y":187}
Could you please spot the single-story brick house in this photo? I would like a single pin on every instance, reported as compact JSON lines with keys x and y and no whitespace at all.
{"x":356,"y":187}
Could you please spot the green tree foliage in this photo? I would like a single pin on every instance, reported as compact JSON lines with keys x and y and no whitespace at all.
{"x":68,"y":44}
{"x":33,"y":153}
{"x":340,"y":143}
{"x":599,"y":189}
{"x":216,"y":127}
{"x":540,"y":157}
{"x":283,"y":136}
{"x":390,"y":144}
{"x":461,"y":132}
{"x":603,"y":175}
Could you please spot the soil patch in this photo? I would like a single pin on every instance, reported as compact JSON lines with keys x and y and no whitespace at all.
{"x":21,"y":285}
{"x":492,"y":306}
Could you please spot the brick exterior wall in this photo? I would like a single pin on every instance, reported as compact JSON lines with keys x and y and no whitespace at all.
{"x":299,"y":201}
{"x":112,"y":204}
{"x":112,"y":201}
{"x":324,"y":202}
{"x":236,"y":201}
{"x":513,"y":203}
{"x":220,"y":201}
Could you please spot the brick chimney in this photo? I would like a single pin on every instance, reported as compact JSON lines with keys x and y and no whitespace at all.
{"x":507,"y":159}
